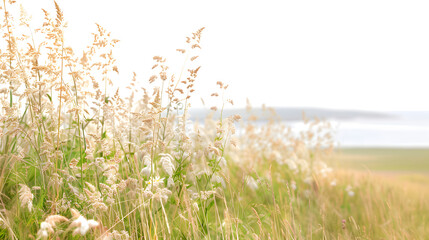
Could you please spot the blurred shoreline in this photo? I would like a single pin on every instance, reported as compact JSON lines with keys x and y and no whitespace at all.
{"x":351,"y":128}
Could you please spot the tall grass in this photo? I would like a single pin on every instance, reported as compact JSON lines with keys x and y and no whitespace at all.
{"x":81,"y":159}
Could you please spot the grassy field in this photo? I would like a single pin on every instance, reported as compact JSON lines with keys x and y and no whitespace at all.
{"x":404,"y":170}
{"x":402,"y":166}
{"x":80,"y":159}
{"x":399,"y":160}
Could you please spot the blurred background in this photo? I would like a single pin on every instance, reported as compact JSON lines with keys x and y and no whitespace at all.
{"x":361,"y":65}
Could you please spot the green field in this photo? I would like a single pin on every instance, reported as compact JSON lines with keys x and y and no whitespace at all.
{"x":78,"y":161}
{"x":410,"y":160}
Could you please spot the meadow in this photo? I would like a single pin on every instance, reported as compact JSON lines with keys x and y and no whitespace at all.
{"x":81,"y":158}
{"x":393,"y":160}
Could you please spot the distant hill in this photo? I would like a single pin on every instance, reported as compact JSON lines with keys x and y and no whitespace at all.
{"x":291,"y":114}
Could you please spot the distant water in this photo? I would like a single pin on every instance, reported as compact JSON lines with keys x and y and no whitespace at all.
{"x":402,"y":129}
{"x":354,"y":128}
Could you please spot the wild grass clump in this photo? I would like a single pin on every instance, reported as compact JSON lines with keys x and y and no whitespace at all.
{"x":80,"y":158}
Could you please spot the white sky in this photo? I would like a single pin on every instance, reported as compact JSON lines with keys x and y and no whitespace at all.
{"x":366,"y":54}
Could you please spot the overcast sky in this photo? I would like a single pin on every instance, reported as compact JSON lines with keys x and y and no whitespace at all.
{"x":366,"y":54}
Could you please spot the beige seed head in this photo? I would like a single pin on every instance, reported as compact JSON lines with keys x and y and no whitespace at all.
{"x":26,"y":197}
